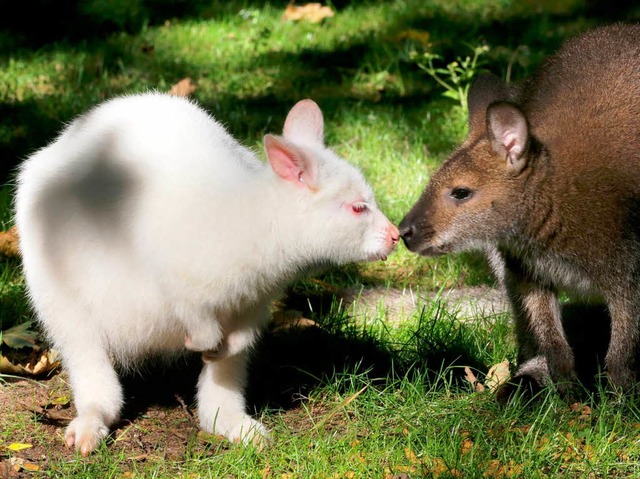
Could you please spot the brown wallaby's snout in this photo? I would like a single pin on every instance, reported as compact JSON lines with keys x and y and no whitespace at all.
{"x":412,"y":228}
{"x":547,"y":183}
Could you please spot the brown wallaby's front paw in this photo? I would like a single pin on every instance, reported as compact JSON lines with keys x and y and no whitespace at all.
{"x":524,"y":386}
{"x":622,"y":379}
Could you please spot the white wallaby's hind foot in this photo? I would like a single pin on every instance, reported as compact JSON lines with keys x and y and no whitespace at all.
{"x":86,"y":432}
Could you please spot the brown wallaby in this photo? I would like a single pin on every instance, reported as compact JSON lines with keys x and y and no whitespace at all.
{"x":548,"y":184}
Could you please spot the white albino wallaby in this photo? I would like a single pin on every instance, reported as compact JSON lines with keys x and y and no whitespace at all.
{"x":146,"y":228}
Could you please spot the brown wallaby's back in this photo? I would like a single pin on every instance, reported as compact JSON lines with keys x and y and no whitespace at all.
{"x":585,"y":100}
{"x":548,"y":184}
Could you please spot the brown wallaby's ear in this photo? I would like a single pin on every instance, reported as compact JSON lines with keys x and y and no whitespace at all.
{"x":304,"y":123}
{"x":289,"y":162}
{"x":486,"y":89}
{"x":509,"y":133}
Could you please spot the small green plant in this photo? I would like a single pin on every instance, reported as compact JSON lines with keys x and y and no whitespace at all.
{"x":455,"y":77}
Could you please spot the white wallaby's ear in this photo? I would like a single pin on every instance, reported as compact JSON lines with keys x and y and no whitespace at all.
{"x":304,"y":123}
{"x":289,"y":162}
{"x":508,"y":130}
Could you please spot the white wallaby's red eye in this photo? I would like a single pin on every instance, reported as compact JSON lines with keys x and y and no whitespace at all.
{"x":359,"y":207}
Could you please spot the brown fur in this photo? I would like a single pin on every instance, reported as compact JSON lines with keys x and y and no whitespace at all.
{"x":553,"y":171}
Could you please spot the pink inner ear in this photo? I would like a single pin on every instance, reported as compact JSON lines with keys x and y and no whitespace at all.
{"x":285,"y":160}
{"x":510,"y":142}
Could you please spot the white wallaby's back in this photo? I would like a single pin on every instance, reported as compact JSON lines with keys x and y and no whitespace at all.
{"x":146,"y":228}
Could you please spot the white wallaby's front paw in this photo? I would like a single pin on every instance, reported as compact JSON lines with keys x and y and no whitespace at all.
{"x":86,"y":432}
{"x":249,"y":431}
{"x":242,"y":429}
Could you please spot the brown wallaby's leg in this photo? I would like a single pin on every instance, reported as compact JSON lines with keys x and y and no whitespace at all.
{"x":544,"y":353}
{"x":621,"y":355}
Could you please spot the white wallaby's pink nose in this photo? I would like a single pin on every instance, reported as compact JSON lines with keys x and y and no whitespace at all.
{"x":393,"y":234}
{"x":391,"y":240}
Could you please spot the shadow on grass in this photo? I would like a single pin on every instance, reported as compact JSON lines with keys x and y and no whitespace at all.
{"x":290,"y":363}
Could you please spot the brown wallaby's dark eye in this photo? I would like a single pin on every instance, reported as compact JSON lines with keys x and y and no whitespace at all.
{"x":461,"y":194}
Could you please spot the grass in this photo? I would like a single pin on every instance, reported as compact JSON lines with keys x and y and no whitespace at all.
{"x":365,"y":394}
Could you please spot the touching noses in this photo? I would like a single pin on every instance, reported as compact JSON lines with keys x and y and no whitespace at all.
{"x":407,"y":231}
{"x":393,"y":234}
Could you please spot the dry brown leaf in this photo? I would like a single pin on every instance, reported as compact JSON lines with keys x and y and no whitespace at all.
{"x":497,"y":375}
{"x":469,"y":376}
{"x":9,"y":242}
{"x":184,"y":87}
{"x":583,"y":409}
{"x":312,"y":12}
{"x":30,"y":467}
{"x":439,"y":468}
{"x":16,"y":463}
{"x":497,"y":470}
{"x":283,"y":320}
{"x":47,"y":362}
{"x":19,"y":464}
{"x":411,"y":455}
{"x":466,"y":446}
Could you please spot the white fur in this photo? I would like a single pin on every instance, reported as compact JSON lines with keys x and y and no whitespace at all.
{"x":145,"y":226}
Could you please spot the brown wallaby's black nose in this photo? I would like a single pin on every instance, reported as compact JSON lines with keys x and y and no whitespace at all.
{"x":407,"y":231}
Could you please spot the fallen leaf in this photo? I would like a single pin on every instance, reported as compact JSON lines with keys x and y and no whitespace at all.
{"x":411,"y":455}
{"x":283,"y":320}
{"x":20,"y":336}
{"x":497,"y":470}
{"x":62,"y":400}
{"x":16,"y":463}
{"x":438,"y":468}
{"x":184,"y":87}
{"x":312,"y":12}
{"x":9,"y":242}
{"x":406,"y":469}
{"x":498,"y":374}
{"x":18,"y":446}
{"x":43,"y":363}
{"x":583,"y":409}
{"x":31,"y":467}
{"x":469,"y":376}
{"x":466,"y":446}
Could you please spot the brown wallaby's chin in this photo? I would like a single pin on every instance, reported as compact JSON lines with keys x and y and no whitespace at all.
{"x":426,"y":249}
